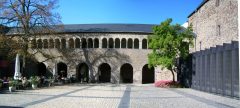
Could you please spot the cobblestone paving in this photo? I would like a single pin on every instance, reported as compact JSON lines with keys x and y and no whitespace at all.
{"x":114,"y":96}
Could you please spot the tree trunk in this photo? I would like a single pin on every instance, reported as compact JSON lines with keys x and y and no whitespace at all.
{"x":173,"y":75}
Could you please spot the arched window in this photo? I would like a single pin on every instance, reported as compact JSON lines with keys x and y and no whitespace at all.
{"x":144,"y":44}
{"x":33,"y":43}
{"x":45,"y":43}
{"x":117,"y":43}
{"x":90,"y":43}
{"x":57,"y":43}
{"x":136,"y":43}
{"x":51,"y":43}
{"x":63,"y":43}
{"x":104,"y":43}
{"x":111,"y":43}
{"x":71,"y":43}
{"x":123,"y":43}
{"x":96,"y":43}
{"x":84,"y":43}
{"x":77,"y":43}
{"x":130,"y":43}
{"x":39,"y":44}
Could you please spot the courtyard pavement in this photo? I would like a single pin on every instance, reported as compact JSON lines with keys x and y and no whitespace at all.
{"x":114,"y":96}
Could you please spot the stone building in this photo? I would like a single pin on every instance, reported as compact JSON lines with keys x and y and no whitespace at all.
{"x":214,"y":22}
{"x":215,"y":60}
{"x":115,"y":53}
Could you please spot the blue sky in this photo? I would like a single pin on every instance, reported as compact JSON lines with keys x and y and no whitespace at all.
{"x":125,"y":11}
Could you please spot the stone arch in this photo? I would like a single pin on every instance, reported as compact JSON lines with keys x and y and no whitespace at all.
{"x":147,"y":74}
{"x":117,"y":43}
{"x":96,"y":43}
{"x":77,"y":43}
{"x":136,"y":44}
{"x":82,"y":72}
{"x":144,"y":44}
{"x":41,"y":69}
{"x":62,"y":69}
{"x":123,"y":43}
{"x":57,"y":43}
{"x":90,"y":43}
{"x":84,"y":43}
{"x":63,"y":43}
{"x":51,"y":43}
{"x":104,"y":71}
{"x":71,"y":43}
{"x":33,"y":43}
{"x":110,"y":43}
{"x":126,"y":73}
{"x":39,"y":43}
{"x":104,"y":43}
{"x":45,"y":43}
{"x":130,"y":43}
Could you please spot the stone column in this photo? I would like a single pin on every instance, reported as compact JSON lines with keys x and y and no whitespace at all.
{"x":140,"y":43}
{"x":100,"y":42}
{"x":67,"y":43}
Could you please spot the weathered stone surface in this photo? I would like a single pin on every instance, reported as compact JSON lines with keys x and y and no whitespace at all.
{"x":205,"y":22}
{"x":94,"y":57}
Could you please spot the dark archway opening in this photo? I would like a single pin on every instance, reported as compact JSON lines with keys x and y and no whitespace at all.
{"x":41,"y":69}
{"x":62,"y":69}
{"x":96,"y":43}
{"x":147,"y":74}
{"x":104,"y":43}
{"x":82,"y":72}
{"x":126,"y":73}
{"x":104,"y":73}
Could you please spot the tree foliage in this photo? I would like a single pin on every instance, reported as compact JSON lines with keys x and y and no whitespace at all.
{"x":169,"y":42}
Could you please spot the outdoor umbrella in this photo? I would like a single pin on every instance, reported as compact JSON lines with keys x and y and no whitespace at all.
{"x":17,"y":74}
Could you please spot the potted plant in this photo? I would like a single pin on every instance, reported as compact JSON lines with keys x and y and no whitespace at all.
{"x":34,"y":81}
{"x":12,"y":85}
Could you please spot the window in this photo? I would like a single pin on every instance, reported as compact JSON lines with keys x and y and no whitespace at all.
{"x":117,"y":43}
{"x":219,"y":30}
{"x":45,"y":43}
{"x":217,"y":3}
{"x":123,"y":43}
{"x":111,"y":43}
{"x":63,"y":43}
{"x":71,"y":43}
{"x":96,"y":43}
{"x":77,"y":43}
{"x":51,"y":43}
{"x":144,"y":44}
{"x":136,"y":43}
{"x":130,"y":43}
{"x":104,"y":43}
{"x":90,"y":43}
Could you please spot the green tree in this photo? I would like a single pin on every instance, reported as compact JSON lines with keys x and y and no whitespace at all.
{"x":169,"y":42}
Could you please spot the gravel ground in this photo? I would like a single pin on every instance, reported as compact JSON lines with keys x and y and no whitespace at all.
{"x":112,"y":96}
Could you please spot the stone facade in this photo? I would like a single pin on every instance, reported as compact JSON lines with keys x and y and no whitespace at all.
{"x":214,"y":22}
{"x":113,"y":49}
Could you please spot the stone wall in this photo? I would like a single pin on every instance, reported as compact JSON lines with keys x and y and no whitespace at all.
{"x":94,"y":57}
{"x":214,"y":25}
